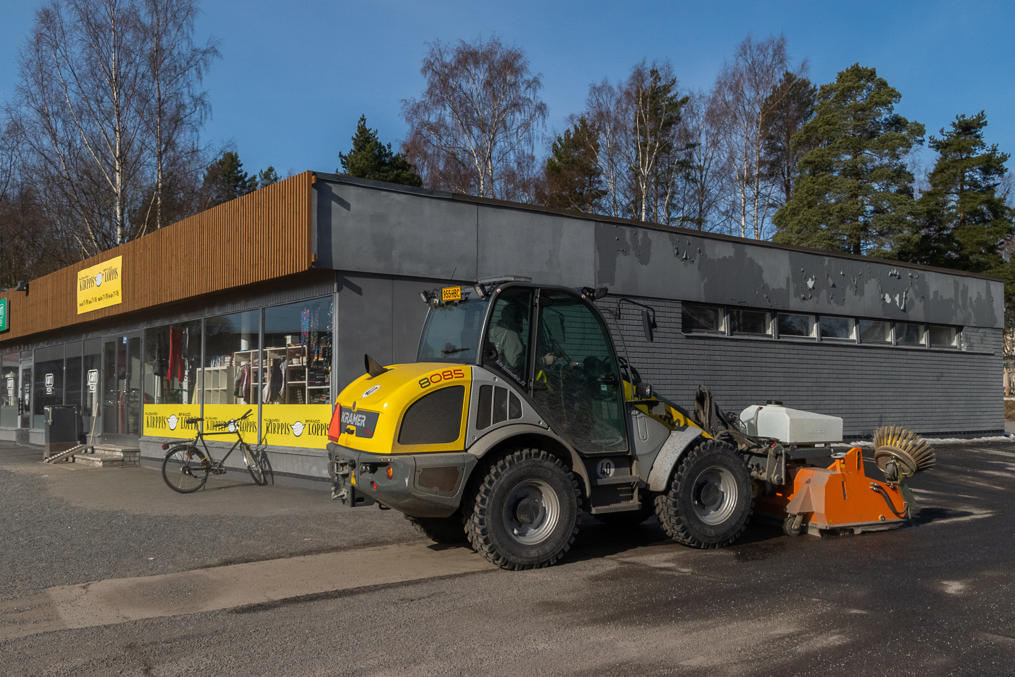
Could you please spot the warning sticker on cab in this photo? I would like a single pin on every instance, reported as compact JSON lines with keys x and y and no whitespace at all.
{"x":451,"y":294}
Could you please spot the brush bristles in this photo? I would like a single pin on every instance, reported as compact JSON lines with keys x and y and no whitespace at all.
{"x":907,"y":447}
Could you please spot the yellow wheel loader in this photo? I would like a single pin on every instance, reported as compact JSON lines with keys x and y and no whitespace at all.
{"x":518,"y":413}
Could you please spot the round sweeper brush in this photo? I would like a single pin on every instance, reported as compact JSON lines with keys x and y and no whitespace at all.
{"x":900,"y":453}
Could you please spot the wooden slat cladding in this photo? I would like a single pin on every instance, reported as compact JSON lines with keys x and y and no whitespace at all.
{"x":260,"y":236}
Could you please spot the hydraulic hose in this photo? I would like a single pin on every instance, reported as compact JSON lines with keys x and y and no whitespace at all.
{"x":888,"y":499}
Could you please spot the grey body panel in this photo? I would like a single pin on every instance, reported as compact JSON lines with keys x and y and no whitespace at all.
{"x":647,"y":437}
{"x":529,"y":424}
{"x":406,"y":491}
{"x":484,"y":377}
{"x":674,"y":447}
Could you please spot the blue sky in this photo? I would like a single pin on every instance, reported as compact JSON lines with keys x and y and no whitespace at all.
{"x":295,"y":76}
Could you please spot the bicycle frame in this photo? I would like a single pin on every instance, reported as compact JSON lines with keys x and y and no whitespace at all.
{"x":201,"y":435}
{"x":185,"y":470}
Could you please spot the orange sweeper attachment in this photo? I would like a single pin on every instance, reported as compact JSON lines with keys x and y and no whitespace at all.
{"x":842,"y":497}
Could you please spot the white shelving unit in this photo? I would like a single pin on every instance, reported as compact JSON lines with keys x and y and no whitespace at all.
{"x":291,"y":359}
{"x":215,"y":384}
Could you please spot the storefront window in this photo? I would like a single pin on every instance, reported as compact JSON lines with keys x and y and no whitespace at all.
{"x":92,"y":364}
{"x":231,"y":373}
{"x":699,"y":318}
{"x":908,"y":334}
{"x":297,"y":353}
{"x":752,"y":322}
{"x":795,"y":324}
{"x":48,"y":384}
{"x":835,"y":328}
{"x":171,"y":363}
{"x":875,"y":331}
{"x":942,"y":336}
{"x":72,"y":375}
{"x":9,"y":389}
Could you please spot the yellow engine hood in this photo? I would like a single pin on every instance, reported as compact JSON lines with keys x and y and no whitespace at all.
{"x":373,"y":406}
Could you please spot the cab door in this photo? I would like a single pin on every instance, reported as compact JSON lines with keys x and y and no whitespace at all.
{"x":576,"y":382}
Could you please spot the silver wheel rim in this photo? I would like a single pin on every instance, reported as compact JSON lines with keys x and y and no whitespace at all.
{"x":531,"y":512}
{"x":714,"y":495}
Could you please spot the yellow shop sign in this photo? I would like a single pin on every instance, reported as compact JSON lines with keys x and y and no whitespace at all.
{"x":221,"y":414}
{"x":99,"y":285}
{"x":296,"y":425}
{"x":169,"y":420}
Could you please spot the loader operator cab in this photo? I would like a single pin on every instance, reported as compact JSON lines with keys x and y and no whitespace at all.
{"x":550,"y":342}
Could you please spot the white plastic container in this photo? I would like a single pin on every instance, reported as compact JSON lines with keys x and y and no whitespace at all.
{"x":791,"y":426}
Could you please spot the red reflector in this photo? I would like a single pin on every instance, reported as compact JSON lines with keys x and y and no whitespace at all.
{"x":165,"y":445}
{"x":373,"y":485}
{"x":335,"y":428}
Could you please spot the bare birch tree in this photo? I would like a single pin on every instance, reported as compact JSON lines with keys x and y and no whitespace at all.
{"x":175,"y":69}
{"x":106,"y":103}
{"x":605,"y":109}
{"x":640,"y":150}
{"x":704,"y":179}
{"x":473,"y":128}
{"x":744,"y":90}
{"x":30,"y":244}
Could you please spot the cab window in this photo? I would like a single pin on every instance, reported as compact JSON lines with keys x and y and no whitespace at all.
{"x":577,"y":384}
{"x":507,"y":339}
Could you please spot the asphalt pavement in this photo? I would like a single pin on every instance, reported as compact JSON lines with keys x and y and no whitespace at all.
{"x":67,"y":523}
{"x":365,"y":595}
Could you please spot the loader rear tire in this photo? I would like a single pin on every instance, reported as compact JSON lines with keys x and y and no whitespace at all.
{"x":525,"y":513}
{"x":443,"y":530}
{"x":710,"y":497}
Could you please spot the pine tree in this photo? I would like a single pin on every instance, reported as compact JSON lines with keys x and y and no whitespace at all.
{"x":572,"y":180}
{"x":854,"y":193}
{"x":370,"y":159}
{"x":961,"y":222}
{"x":226,"y":180}
{"x":268,"y":176}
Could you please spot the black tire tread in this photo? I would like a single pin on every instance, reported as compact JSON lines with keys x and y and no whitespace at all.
{"x":200,"y":454}
{"x":253,"y":464}
{"x":667,"y":510}
{"x":477,"y":527}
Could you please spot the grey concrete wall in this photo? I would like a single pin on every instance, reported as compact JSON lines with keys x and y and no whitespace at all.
{"x":378,"y":315}
{"x":929,"y":391}
{"x":395,"y":232}
{"x":390,"y":243}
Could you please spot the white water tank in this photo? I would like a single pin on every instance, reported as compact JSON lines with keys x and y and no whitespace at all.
{"x":791,"y":426}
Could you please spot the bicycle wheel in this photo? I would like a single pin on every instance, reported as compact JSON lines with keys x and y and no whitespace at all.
{"x":269,"y":472}
{"x":185,"y":469}
{"x":254,"y":465}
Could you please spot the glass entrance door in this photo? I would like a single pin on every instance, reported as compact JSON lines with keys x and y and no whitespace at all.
{"x":91,"y":411}
{"x":25,"y":417}
{"x":121,"y":386}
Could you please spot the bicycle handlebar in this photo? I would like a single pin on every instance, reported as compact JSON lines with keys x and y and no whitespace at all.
{"x":233,"y":420}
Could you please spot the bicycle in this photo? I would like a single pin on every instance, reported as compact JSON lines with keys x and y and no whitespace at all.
{"x":186,"y":467}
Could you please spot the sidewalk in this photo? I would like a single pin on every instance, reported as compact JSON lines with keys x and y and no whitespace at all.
{"x":66,"y":523}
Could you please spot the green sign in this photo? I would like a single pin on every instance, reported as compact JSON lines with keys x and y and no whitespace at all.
{"x":3,"y":315}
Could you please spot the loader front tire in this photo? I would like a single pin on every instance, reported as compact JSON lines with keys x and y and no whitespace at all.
{"x":525,"y":513}
{"x":710,"y":498}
